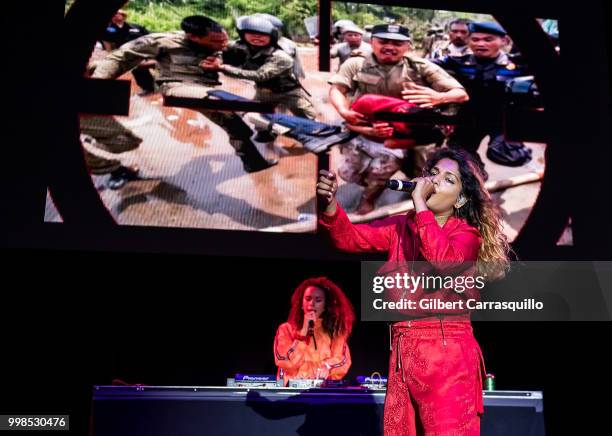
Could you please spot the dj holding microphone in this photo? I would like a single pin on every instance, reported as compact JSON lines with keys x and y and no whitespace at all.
{"x":312,"y":344}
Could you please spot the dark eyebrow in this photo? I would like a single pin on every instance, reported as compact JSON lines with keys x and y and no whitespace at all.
{"x":449,"y":172}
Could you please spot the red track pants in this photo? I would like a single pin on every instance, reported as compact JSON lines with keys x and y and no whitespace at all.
{"x":435,"y":380}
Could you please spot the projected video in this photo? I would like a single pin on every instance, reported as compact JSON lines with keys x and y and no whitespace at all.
{"x":230,"y":118}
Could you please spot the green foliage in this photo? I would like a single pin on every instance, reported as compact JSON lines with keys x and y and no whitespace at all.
{"x":160,"y":16}
{"x":293,"y":12}
{"x":246,"y":7}
{"x":165,"y":15}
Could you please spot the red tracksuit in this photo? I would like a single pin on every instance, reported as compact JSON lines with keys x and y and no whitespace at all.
{"x":436,"y":368}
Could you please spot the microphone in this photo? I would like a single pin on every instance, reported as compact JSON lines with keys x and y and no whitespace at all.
{"x":311,"y":332}
{"x":400,"y":185}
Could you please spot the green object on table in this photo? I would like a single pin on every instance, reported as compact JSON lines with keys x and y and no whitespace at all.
{"x":490,"y":382}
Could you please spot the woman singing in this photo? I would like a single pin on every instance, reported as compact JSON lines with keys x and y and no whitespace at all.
{"x":312,"y":343}
{"x":436,"y":367}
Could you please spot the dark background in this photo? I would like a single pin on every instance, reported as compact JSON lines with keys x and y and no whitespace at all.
{"x":194,"y":320}
{"x":74,"y":316}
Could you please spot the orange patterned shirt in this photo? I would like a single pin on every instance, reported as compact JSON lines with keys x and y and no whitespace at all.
{"x":298,"y":359}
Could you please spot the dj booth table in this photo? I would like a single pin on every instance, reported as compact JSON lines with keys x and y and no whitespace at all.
{"x":187,"y":411}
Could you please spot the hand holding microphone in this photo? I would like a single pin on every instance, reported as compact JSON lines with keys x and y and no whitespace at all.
{"x":421,"y":188}
{"x":311,"y":332}
{"x":308,"y":326}
{"x":309,"y":323}
{"x":327,"y":186}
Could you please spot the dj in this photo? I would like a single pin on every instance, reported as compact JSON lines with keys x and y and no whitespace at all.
{"x":312,"y":344}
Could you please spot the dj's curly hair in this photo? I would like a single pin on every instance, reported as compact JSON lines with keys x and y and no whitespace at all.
{"x":479,"y":211}
{"x":338,"y":315}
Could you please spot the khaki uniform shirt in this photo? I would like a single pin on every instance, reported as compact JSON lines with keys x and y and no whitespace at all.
{"x":177,"y":57}
{"x":367,"y":76}
{"x":277,"y":64}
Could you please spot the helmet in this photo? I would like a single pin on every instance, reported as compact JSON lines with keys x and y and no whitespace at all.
{"x":343,"y":23}
{"x":276,"y":22}
{"x":257,"y":24}
{"x":351,"y":28}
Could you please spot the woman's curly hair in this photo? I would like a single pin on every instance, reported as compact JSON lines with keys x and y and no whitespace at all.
{"x":338,"y":315}
{"x":479,"y":211}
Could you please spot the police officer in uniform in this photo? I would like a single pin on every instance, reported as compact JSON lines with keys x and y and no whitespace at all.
{"x":257,"y":57}
{"x":120,"y":32}
{"x":338,"y":28}
{"x":485,"y":74}
{"x":286,"y":44}
{"x":388,"y":71}
{"x":181,"y":57}
{"x":353,"y":45}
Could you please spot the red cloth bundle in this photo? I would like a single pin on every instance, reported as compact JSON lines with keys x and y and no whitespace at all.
{"x":368,"y":104}
{"x":405,"y":135}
